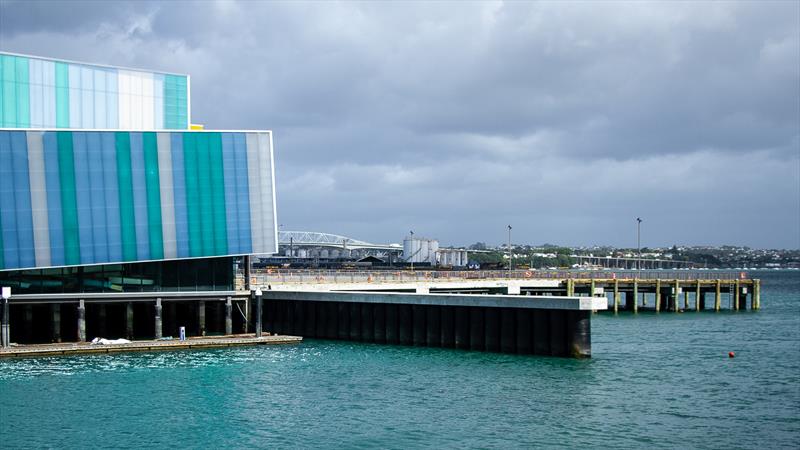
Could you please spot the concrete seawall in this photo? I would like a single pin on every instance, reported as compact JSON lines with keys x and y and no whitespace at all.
{"x":554,"y":326}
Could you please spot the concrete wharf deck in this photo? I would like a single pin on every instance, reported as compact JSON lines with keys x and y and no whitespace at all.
{"x":650,"y":290}
{"x":85,"y":348}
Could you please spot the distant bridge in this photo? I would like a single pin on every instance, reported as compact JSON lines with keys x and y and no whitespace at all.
{"x":315,"y":239}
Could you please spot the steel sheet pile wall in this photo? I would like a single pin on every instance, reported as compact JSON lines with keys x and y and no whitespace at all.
{"x":90,"y":197}
{"x":44,"y":93}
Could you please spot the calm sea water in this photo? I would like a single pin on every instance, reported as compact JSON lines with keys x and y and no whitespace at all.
{"x":654,"y":381}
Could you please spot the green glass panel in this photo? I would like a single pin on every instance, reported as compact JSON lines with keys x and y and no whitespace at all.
{"x":62,"y":95}
{"x":69,"y":202}
{"x":192,"y":193}
{"x":218,"y":194}
{"x":125,"y":181}
{"x":9,"y":90}
{"x":204,"y":183}
{"x":23,"y":93}
{"x":152,"y":185}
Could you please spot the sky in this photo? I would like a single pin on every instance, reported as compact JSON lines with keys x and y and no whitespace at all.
{"x":566,"y":120}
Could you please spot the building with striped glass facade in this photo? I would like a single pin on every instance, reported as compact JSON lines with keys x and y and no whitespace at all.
{"x":104,"y":188}
{"x":45,"y":93}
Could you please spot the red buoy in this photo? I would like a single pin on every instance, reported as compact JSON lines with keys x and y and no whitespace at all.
{"x":731,"y":354}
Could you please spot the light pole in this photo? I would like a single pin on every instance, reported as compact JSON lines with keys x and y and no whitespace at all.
{"x":412,"y":250}
{"x":510,"y":255}
{"x":5,"y":331}
{"x":638,"y":245}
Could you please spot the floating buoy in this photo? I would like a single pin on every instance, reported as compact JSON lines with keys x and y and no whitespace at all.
{"x":731,"y":354}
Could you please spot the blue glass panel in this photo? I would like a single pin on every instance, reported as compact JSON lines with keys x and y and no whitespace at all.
{"x":8,"y":206}
{"x":83,"y":197}
{"x":53,"y":182}
{"x":97,"y":197}
{"x":242,"y":193}
{"x":139,"y":197}
{"x":111,"y":184}
{"x":179,"y":189}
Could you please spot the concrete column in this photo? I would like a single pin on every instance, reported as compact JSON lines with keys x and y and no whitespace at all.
{"x":462,"y":325}
{"x":355,"y":321}
{"x":392,"y":326}
{"x":129,"y":320}
{"x":523,"y":331}
{"x":718,"y":296}
{"x":433,"y":326}
{"x":101,"y":320}
{"x":81,"y":321}
{"x":635,"y":296}
{"x":448,"y":332}
{"x":5,"y":328}
{"x":476,"y":331}
{"x":419,"y":319}
{"x":28,"y":322}
{"x":558,"y":336}
{"x":756,"y":294}
{"x":541,"y":331}
{"x":736,"y":296}
{"x":331,"y":320}
{"x":698,"y":297}
{"x":379,"y":323}
{"x":246,"y":320}
{"x":491,"y":320}
{"x":591,"y":288}
{"x":309,"y":323}
{"x":159,"y":331}
{"x":405,"y":325}
{"x":508,"y":335}
{"x":259,"y":313}
{"x":658,"y":295}
{"x":685,"y":300}
{"x":676,"y":296}
{"x":570,"y":287}
{"x":56,"y":322}
{"x":616,"y":296}
{"x":201,"y":317}
{"x":367,"y":322}
{"x":579,"y":334}
{"x":228,"y":316}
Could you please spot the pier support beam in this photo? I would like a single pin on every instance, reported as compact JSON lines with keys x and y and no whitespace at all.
{"x":686,"y":300}
{"x":636,"y":296}
{"x":28,"y":323}
{"x":616,"y":296}
{"x":81,"y":321}
{"x":228,"y":317}
{"x":55,"y":330}
{"x":5,"y":328}
{"x":736,"y":296}
{"x":259,"y":312}
{"x":658,"y":295}
{"x":718,"y":296}
{"x":201,"y":317}
{"x":101,"y":320}
{"x":129,"y":321}
{"x":698,"y":297}
{"x":159,"y":332}
{"x":756,"y":294}
{"x":676,"y":296}
{"x":570,"y":287}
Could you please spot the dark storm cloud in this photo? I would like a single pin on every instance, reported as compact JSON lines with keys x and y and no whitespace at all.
{"x":567,"y":119}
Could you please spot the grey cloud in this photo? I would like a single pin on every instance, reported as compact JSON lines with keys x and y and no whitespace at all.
{"x":568,"y":119}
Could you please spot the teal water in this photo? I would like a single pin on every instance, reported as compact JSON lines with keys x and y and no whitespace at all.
{"x":654,"y":381}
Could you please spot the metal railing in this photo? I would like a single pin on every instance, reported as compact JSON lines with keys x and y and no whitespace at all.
{"x":310,"y":276}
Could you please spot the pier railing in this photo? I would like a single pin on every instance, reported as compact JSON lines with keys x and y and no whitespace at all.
{"x":310,"y":276}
